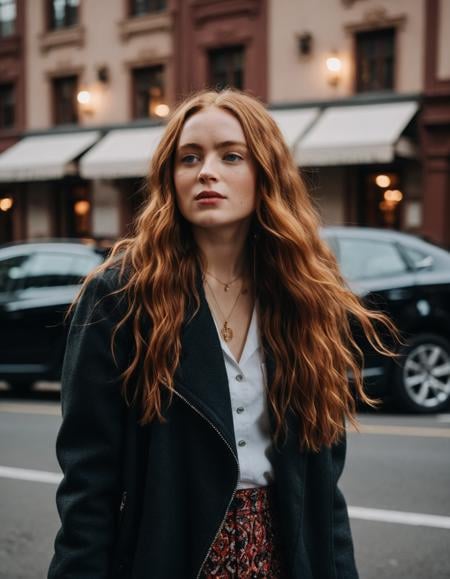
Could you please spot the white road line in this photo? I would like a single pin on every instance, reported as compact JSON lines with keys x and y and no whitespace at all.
{"x":420,"y":431}
{"x":31,"y":475}
{"x":381,"y":515}
{"x":44,"y":409}
{"x":400,"y":517}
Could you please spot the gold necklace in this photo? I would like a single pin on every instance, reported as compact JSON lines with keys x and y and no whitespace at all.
{"x":226,"y":286}
{"x":226,"y":332}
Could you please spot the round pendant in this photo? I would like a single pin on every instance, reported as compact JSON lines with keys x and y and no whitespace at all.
{"x":227,"y":333}
{"x":226,"y":287}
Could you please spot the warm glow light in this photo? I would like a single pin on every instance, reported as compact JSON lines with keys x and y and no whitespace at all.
{"x":84,"y":97}
{"x":6,"y":203}
{"x":334,"y":64}
{"x":382,"y":181}
{"x":162,"y":110}
{"x":82,"y":207}
{"x":393,"y":195}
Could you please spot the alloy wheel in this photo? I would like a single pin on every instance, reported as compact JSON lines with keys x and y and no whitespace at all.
{"x":426,"y":375}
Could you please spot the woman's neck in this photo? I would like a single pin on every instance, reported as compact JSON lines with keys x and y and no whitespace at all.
{"x":224,"y":253}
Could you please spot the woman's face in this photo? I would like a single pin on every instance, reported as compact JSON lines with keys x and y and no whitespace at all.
{"x":214,"y":176}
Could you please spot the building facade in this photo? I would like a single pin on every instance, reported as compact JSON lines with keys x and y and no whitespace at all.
{"x":101,"y":77}
{"x":376,"y":72}
{"x":12,"y":107}
{"x":362,"y":97}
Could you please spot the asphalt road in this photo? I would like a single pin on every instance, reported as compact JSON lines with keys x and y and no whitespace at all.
{"x":397,"y":484}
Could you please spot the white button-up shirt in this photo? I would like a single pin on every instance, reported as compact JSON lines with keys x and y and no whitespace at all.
{"x":247,"y":383}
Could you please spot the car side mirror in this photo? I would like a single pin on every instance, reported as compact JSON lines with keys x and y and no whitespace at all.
{"x":425,"y":263}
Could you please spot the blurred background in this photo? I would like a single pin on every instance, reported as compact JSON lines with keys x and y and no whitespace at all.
{"x":361,"y":91}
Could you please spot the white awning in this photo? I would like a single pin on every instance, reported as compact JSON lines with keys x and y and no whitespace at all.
{"x":356,"y":134}
{"x":122,"y":153}
{"x":293,"y":123}
{"x":44,"y":157}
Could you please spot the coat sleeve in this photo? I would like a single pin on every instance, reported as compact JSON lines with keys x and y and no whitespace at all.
{"x":91,"y":438}
{"x":342,"y":538}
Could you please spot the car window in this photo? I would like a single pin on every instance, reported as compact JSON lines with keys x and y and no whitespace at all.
{"x":367,"y":258}
{"x":57,"y":269}
{"x":416,"y":257}
{"x":82,"y":265}
{"x":12,"y":272}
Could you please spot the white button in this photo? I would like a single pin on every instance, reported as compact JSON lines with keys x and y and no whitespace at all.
{"x":240,"y":410}
{"x":242,"y":443}
{"x":239,"y":378}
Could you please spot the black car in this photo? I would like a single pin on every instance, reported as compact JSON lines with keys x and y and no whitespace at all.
{"x":400,"y":274}
{"x":38,"y":281}
{"x":409,"y":279}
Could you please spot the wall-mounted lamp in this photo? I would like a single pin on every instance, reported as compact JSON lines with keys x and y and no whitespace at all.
{"x":6,"y":203}
{"x":305,"y":44}
{"x":334,"y":67}
{"x":103,"y":74}
{"x":85,"y":101}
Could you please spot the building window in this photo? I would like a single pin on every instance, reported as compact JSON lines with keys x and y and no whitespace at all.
{"x":7,"y":18}
{"x":65,"y":100}
{"x":375,"y":60}
{"x":7,"y":106}
{"x":226,"y":67}
{"x":63,"y":13}
{"x":139,"y":7}
{"x":148,"y":91}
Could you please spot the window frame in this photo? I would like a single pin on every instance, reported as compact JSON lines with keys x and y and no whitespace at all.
{"x":377,"y":33}
{"x":133,"y":13}
{"x":135,"y":70}
{"x":51,"y":19}
{"x":12,"y":86}
{"x":14,"y":26}
{"x":227,"y":50}
{"x":59,"y":79}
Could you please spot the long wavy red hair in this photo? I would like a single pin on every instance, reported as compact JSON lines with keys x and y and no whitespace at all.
{"x":306,"y":309}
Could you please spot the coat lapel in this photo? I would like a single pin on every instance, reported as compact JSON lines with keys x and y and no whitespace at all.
{"x":201,"y":377}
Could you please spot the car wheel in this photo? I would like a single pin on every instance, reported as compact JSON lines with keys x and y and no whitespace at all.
{"x":422,"y":375}
{"x":21,"y":387}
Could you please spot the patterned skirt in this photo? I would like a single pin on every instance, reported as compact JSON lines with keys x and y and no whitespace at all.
{"x":246,"y":547}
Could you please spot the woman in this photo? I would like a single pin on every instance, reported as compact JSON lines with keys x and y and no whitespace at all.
{"x":205,"y":383}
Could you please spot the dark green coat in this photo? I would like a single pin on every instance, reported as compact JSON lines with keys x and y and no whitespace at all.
{"x":147,"y":502}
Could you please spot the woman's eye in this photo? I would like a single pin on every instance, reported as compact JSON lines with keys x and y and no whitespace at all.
{"x":189,"y":159}
{"x":233,"y":157}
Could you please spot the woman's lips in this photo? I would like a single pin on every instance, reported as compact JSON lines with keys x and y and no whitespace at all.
{"x":208,"y":197}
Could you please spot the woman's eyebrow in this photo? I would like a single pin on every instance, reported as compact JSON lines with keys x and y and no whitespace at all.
{"x":220,"y":145}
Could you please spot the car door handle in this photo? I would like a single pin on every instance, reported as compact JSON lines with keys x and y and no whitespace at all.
{"x":399,"y":294}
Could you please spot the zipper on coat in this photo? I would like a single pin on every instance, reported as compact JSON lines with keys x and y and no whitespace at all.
{"x":123,"y":501}
{"x":238,"y":472}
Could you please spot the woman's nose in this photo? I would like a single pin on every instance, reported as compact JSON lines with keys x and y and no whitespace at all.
{"x":207,"y":171}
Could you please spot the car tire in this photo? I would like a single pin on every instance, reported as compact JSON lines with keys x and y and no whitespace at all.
{"x":422,"y":375}
{"x":21,"y":387}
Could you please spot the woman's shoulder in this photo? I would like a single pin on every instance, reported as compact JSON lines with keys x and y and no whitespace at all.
{"x":113,"y":275}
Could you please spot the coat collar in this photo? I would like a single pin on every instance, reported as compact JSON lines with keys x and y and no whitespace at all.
{"x":201,"y":377}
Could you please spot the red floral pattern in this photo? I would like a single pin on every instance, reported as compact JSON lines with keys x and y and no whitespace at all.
{"x":246,"y":546}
